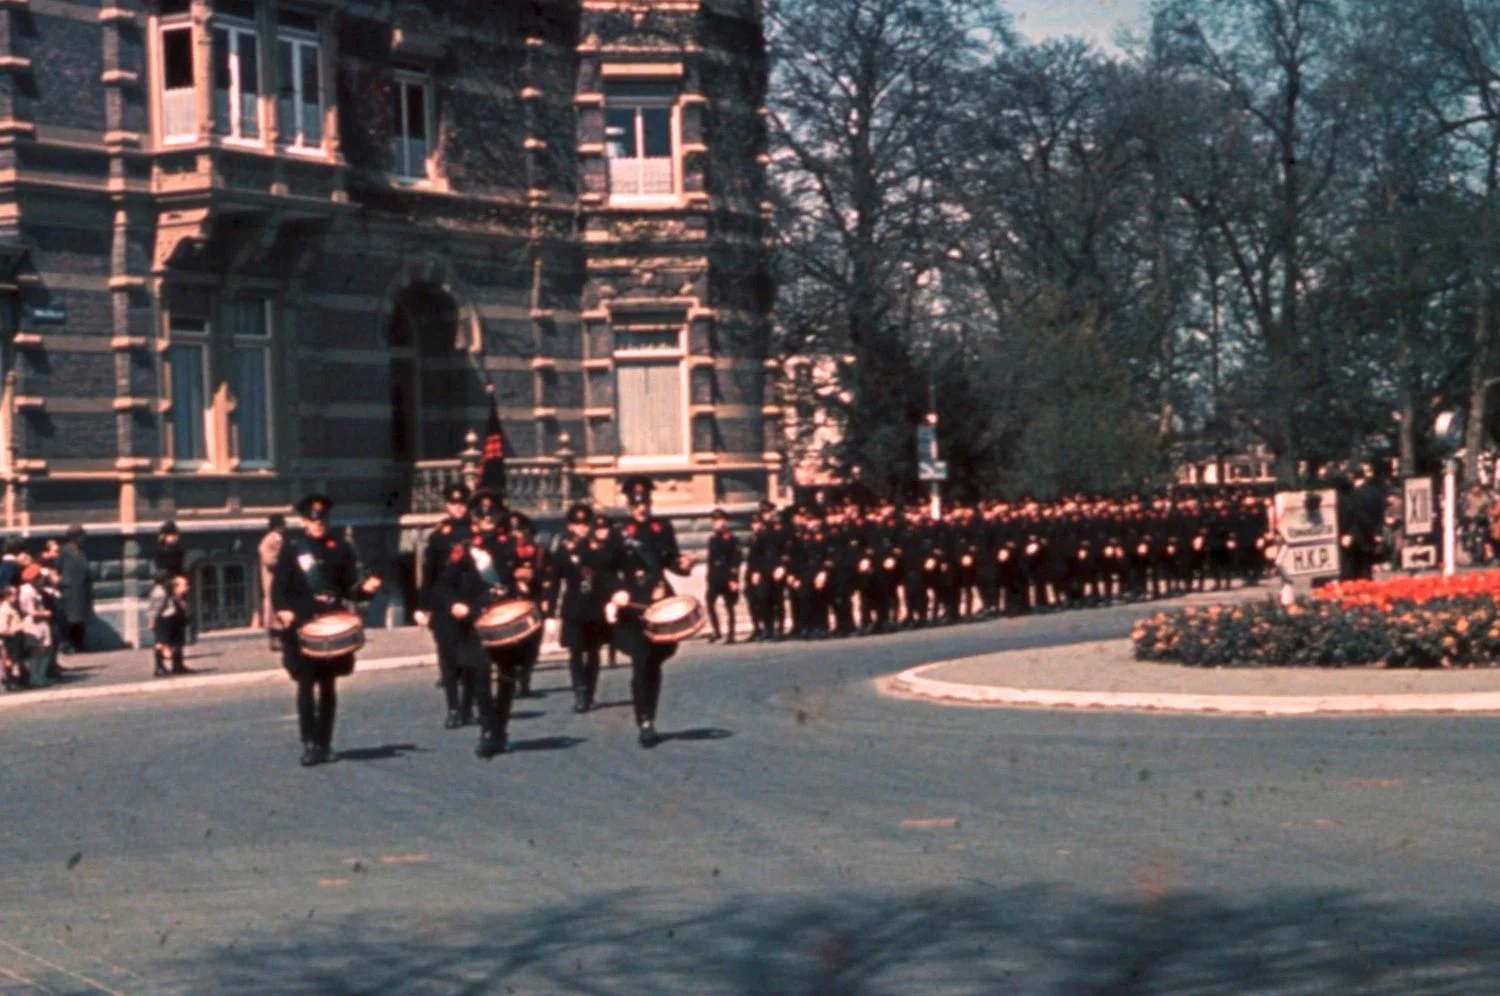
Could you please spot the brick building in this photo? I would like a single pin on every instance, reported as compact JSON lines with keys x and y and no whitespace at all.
{"x":255,"y":247}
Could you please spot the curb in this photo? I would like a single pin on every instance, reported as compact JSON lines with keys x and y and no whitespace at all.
{"x":913,"y":683}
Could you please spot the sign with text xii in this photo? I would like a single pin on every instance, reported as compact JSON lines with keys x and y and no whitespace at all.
{"x":1420,"y":513}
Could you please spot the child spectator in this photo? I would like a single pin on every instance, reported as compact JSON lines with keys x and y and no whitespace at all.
{"x":11,"y":640}
{"x":169,"y":618}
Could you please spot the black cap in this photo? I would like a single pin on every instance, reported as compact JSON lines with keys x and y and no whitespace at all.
{"x":484,"y":503}
{"x":521,"y":522}
{"x":601,"y":521}
{"x":637,"y":488}
{"x":719,"y":513}
{"x":315,"y":507}
{"x":168,"y":528}
{"x":580,"y":514}
{"x":456,"y":494}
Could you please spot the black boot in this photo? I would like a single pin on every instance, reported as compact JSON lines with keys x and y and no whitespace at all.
{"x":311,"y":754}
{"x":453,"y":720}
{"x":160,"y":671}
{"x":580,"y":702}
{"x":649,"y":737}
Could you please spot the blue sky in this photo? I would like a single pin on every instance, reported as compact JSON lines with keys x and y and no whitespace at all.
{"x":1094,"y":20}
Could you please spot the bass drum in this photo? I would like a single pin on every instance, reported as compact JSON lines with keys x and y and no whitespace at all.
{"x":329,"y":637}
{"x":506,"y":624}
{"x":673,"y":619}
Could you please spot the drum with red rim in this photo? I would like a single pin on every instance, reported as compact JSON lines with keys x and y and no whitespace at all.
{"x":331,"y":636}
{"x":506,"y":624}
{"x":674,"y":619}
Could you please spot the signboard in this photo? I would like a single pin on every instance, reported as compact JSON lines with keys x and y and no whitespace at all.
{"x":1419,"y":558}
{"x":1306,"y":517}
{"x":1309,"y":560}
{"x":927,"y":443}
{"x":47,"y":314}
{"x":932,"y":470}
{"x":1420,"y":511}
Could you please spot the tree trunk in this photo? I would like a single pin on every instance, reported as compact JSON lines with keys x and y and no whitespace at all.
{"x":1484,"y":294}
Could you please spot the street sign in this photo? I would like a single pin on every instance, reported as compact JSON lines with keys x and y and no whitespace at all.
{"x":927,"y":443}
{"x":1417,"y":558}
{"x":1306,"y":517}
{"x":47,"y":314}
{"x":1420,"y":513}
{"x":932,"y":470}
{"x":1309,"y":560}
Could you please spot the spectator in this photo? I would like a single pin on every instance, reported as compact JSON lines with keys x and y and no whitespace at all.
{"x":36,"y":626}
{"x":169,"y":553}
{"x":51,"y":599}
{"x":10,"y":565}
{"x":77,"y":590}
{"x":170,"y":618}
{"x":270,"y":552}
{"x":14,"y":677}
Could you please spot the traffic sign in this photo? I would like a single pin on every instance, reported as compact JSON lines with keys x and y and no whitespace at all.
{"x":927,"y":443}
{"x":1417,"y":558}
{"x":1309,"y":560}
{"x":932,"y":470}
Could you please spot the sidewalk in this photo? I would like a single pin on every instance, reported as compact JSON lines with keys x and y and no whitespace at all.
{"x":1106,"y":676}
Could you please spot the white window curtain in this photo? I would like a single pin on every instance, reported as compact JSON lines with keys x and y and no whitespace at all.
{"x":236,"y":82}
{"x":650,"y":411}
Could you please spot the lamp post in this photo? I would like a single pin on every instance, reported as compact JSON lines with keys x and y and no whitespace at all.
{"x":1448,"y":434}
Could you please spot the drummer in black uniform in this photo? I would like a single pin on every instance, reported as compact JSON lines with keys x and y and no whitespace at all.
{"x":476,"y":575}
{"x":650,"y":551}
{"x":532,"y":585}
{"x":583,"y":561}
{"x":314,"y":576}
{"x":451,"y":532}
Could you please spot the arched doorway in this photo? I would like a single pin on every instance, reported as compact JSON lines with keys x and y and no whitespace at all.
{"x":433,"y":379}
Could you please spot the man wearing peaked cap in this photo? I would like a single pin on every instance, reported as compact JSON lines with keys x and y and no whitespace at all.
{"x":584,"y":560}
{"x":316,"y":575}
{"x":453,"y":531}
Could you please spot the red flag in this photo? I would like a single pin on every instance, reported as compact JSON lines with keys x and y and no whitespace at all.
{"x":492,"y":459}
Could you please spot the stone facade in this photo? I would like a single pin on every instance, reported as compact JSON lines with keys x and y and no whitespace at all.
{"x":251,"y":248}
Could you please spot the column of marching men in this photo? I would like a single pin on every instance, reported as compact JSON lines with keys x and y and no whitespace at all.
{"x":806,"y":572}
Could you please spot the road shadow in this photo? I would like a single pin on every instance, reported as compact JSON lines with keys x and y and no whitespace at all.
{"x":615,"y":704}
{"x":547,"y":743}
{"x":385,"y":752}
{"x":698,"y":733}
{"x":970,"y":939}
{"x":526,"y":714}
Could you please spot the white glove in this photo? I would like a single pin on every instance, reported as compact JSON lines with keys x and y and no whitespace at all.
{"x":611,"y":613}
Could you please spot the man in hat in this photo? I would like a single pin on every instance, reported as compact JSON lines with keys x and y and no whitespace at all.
{"x":450,"y":533}
{"x":169,"y":555}
{"x":649,"y":552}
{"x":315,"y":575}
{"x":723,"y":574}
{"x":766,"y":573}
{"x":478,"y":573}
{"x":584,"y":560}
{"x":532,"y":584}
{"x":77,"y":589}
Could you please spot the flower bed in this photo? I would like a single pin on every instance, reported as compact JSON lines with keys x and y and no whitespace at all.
{"x":1452,"y":631}
{"x":1401,"y":592}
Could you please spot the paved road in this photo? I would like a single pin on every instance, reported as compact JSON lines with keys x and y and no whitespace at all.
{"x":799,"y":834}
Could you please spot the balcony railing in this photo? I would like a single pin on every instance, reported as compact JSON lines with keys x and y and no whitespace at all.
{"x":641,"y":177}
{"x":179,"y":114}
{"x":543,"y":485}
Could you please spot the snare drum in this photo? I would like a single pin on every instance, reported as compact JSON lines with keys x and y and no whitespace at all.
{"x":506,"y":624}
{"x":329,"y":637}
{"x":674,"y":619}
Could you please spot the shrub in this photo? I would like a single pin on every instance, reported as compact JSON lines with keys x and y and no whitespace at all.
{"x":1452,"y":631}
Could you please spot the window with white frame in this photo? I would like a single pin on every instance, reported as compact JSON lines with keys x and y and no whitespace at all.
{"x":178,"y":109}
{"x":411,"y":127}
{"x":639,"y":143}
{"x":187,"y":367}
{"x":236,"y":81}
{"x":650,"y":385}
{"x":299,"y":95}
{"x":249,"y":376}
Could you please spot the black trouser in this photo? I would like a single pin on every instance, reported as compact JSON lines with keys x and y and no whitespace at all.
{"x":583,"y":658}
{"x":169,"y":657}
{"x":317,"y":704}
{"x":495,"y":679}
{"x":717,"y":593}
{"x":530,"y":651}
{"x":646,"y":660}
{"x":916,"y":599}
{"x":458,"y":684}
{"x":76,"y":631}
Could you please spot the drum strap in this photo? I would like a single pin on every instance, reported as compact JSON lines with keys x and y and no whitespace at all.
{"x":485,"y":564}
